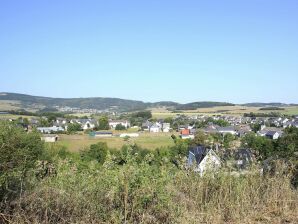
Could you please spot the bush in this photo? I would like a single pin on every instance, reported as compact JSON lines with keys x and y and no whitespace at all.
{"x":97,"y":152}
{"x":120,"y":127}
{"x":19,"y":152}
{"x":143,"y":193}
{"x":73,"y":127}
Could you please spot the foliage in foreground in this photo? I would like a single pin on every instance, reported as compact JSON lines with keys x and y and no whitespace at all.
{"x":143,"y":193}
{"x":100,"y":185}
{"x":18,"y":153}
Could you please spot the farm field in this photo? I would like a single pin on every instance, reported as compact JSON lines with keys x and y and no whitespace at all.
{"x":12,"y":116}
{"x":223,"y":110}
{"x":9,"y":105}
{"x":292,"y":111}
{"x":78,"y":142}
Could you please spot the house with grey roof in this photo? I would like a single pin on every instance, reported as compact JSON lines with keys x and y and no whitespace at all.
{"x":203,"y":160}
{"x":271,"y":132}
{"x":227,"y":130}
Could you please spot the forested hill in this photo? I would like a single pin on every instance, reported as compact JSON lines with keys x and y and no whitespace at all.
{"x":99,"y":103}
{"x":102,"y":103}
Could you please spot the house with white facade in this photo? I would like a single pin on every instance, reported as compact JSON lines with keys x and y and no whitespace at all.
{"x":155,"y":128}
{"x":49,"y":130}
{"x":114,"y":123}
{"x":166,"y":127}
{"x":272,"y":133}
{"x":203,"y":160}
{"x":86,"y":124}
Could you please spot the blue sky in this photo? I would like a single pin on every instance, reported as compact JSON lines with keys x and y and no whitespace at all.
{"x":151,"y":50}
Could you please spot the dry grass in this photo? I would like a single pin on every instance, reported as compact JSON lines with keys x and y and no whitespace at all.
{"x":146,"y":194}
{"x":227,"y":199}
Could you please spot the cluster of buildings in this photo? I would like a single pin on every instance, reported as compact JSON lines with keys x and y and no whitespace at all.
{"x":156,"y":127}
{"x":77,"y":110}
{"x":61,"y":124}
{"x":270,"y":127}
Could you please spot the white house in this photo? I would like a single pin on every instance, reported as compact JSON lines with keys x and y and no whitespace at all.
{"x":89,"y":125}
{"x":166,"y":127}
{"x":272,"y":133}
{"x":85,"y":123}
{"x":124,"y":123}
{"x":49,"y":130}
{"x":203,"y":160}
{"x":155,"y":128}
{"x":61,"y":121}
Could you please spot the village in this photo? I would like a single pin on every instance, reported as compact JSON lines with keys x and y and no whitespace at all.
{"x":183,"y":127}
{"x":149,"y":112}
{"x":186,"y":126}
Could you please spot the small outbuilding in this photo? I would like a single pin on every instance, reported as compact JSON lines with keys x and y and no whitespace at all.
{"x":101,"y":134}
{"x":50,"y":138}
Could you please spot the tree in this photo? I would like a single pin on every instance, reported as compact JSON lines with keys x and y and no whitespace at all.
{"x":169,"y":120}
{"x":25,"y":121}
{"x":44,"y":122}
{"x":228,"y":138}
{"x":221,"y":122}
{"x":18,"y":153}
{"x":181,"y":148}
{"x":96,"y":152}
{"x":263,"y":146}
{"x":120,"y":127}
{"x":51,"y":118}
{"x":103,"y":123}
{"x":256,"y":127}
{"x":200,"y":139}
{"x":287,"y":145}
{"x":73,"y":127}
{"x":146,"y":115}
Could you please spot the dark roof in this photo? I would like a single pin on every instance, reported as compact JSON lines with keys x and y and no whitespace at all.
{"x":103,"y":133}
{"x":271,"y":133}
{"x":230,"y":128}
{"x":244,"y":154}
{"x":199,"y":152}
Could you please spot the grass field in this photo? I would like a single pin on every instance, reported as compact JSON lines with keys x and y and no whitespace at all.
{"x":292,"y":111}
{"x":78,"y":142}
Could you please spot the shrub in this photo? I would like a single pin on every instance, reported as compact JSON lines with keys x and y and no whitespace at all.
{"x":120,"y":127}
{"x":18,"y":153}
{"x":97,"y":152}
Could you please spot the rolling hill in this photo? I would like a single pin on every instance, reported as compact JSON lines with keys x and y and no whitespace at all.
{"x":28,"y":102}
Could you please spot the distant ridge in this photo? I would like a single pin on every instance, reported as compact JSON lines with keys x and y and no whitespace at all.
{"x":268,"y":104}
{"x":105,"y":103}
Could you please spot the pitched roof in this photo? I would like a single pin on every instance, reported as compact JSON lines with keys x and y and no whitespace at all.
{"x":199,"y":152}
